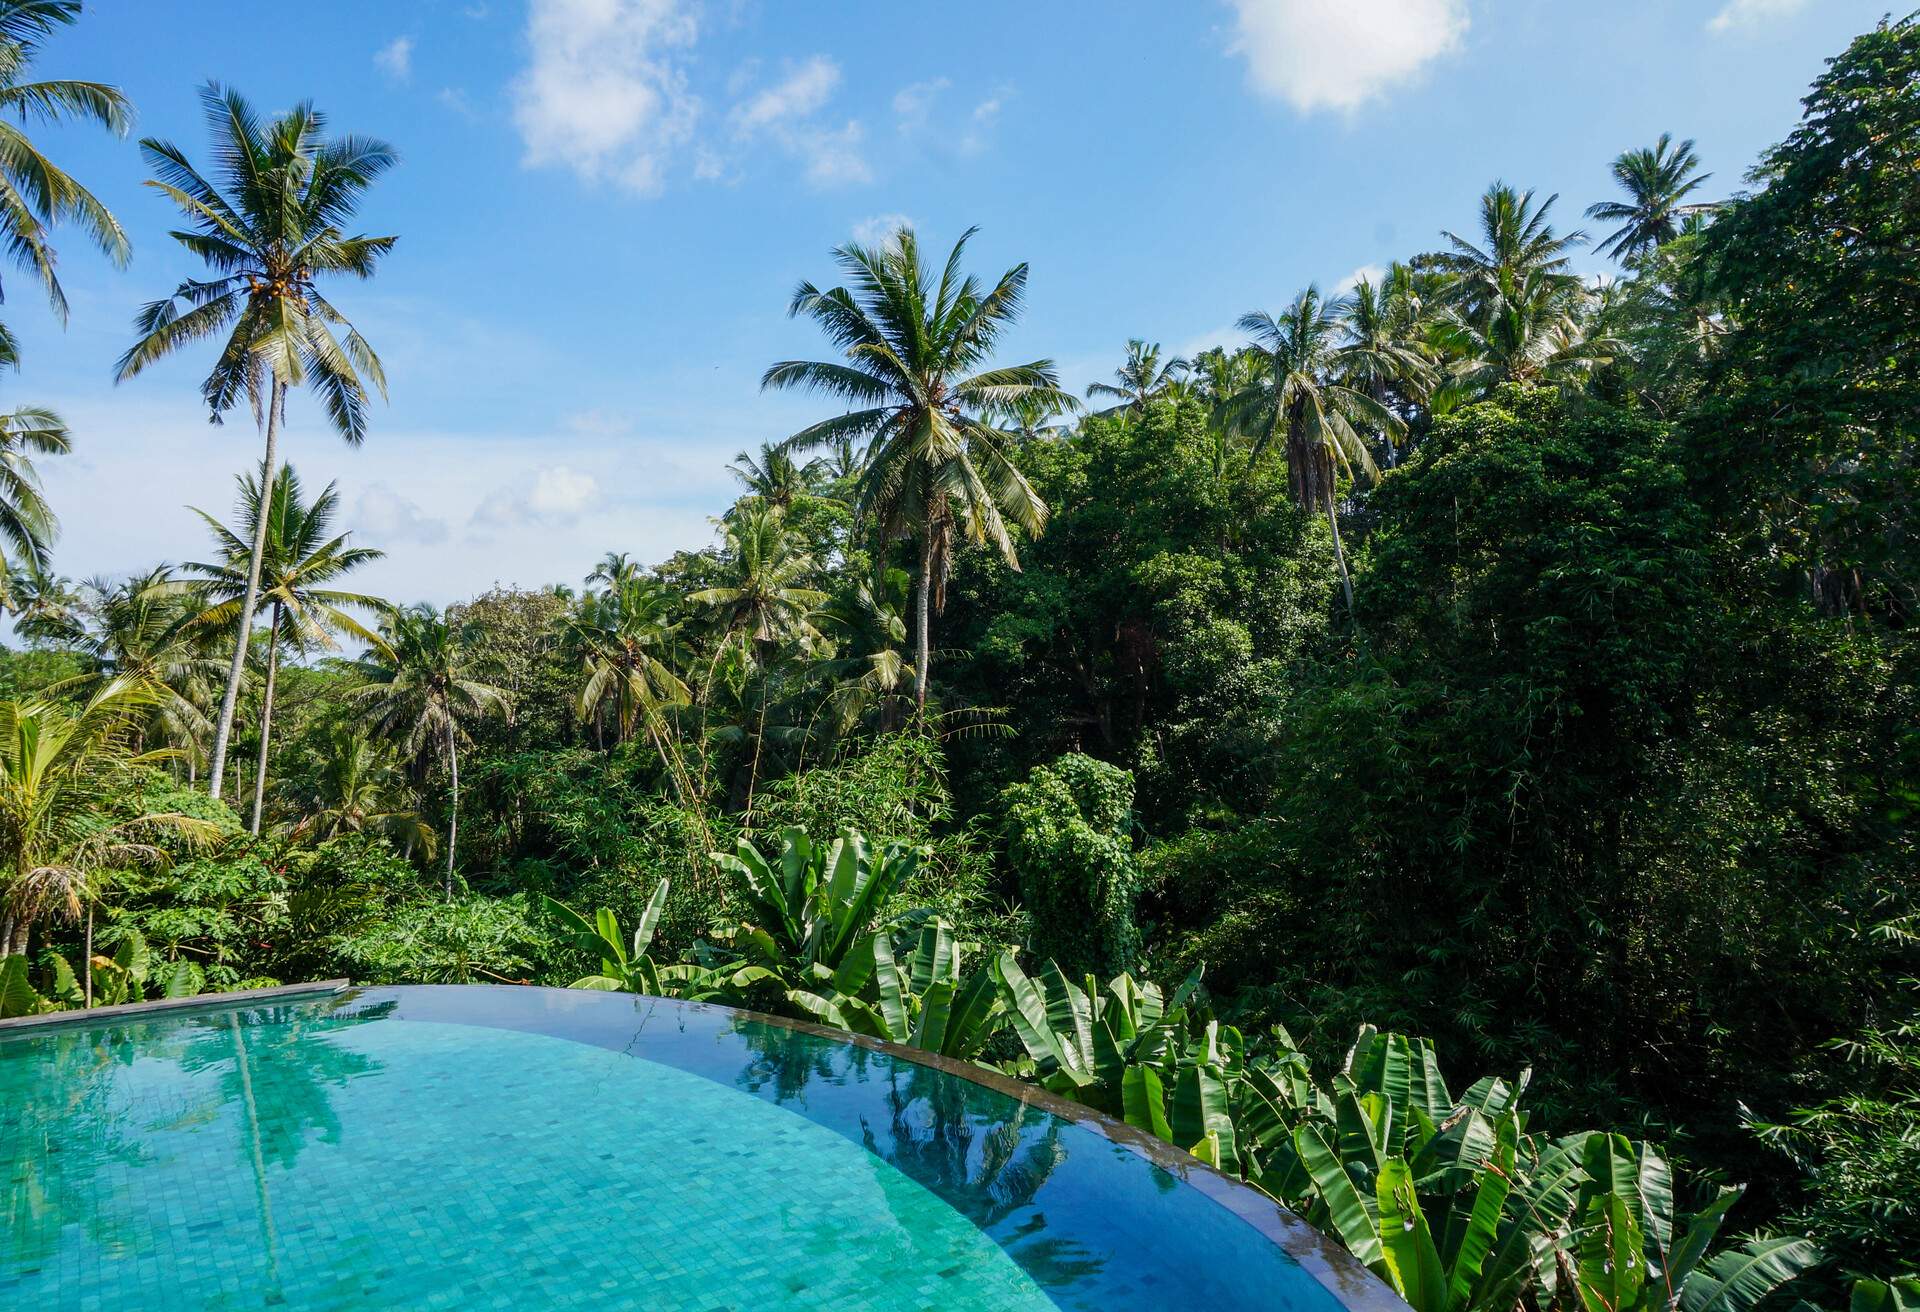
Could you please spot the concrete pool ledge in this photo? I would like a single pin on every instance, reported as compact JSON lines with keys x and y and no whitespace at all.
{"x":48,"y":1020}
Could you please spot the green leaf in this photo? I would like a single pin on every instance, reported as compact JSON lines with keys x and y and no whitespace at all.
{"x":1739,"y":1279}
{"x":1482,"y":1222}
{"x":1201,"y":1108}
{"x":936,"y":1006}
{"x":1347,"y":1210}
{"x":1144,"y":1101}
{"x":17,"y":996}
{"x":1412,"y":1261}
{"x":1884,"y":1296}
{"x":649,"y":918}
{"x":1612,"y":1263}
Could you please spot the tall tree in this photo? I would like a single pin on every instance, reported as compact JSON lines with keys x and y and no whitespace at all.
{"x":625,"y":640}
{"x":1517,"y":247}
{"x":139,"y":631}
{"x":1140,"y":378}
{"x":936,"y":469}
{"x":35,"y":193}
{"x":1297,"y":401}
{"x":1536,"y":332}
{"x":615,"y":568}
{"x":1386,"y":354}
{"x":356,"y":787}
{"x":1657,"y":182}
{"x":776,"y":478}
{"x":28,"y":525}
{"x":763,"y":599}
{"x":270,"y":231}
{"x":421,"y":694}
{"x":300,"y":556}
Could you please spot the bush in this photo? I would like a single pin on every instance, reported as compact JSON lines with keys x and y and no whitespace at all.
{"x":1069,"y":841}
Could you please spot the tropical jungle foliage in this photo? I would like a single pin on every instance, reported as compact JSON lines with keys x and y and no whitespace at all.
{"x":1493,"y":667}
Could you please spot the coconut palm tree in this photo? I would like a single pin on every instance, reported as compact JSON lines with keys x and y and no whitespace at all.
{"x":358,"y":788}
{"x":139,"y":631}
{"x":270,"y":231}
{"x":44,"y":605}
{"x":763,"y":601}
{"x":300,"y":557}
{"x":625,"y":641}
{"x":1517,"y":245}
{"x":866,"y":672}
{"x":937,"y":470}
{"x":35,"y":193}
{"x":1657,"y":183}
{"x":615,"y":568}
{"x":421,"y":695}
{"x":1385,"y":354}
{"x":776,"y":478}
{"x":1036,"y":416}
{"x":62,"y":769}
{"x":1538,"y":335}
{"x":28,"y":526}
{"x":1298,"y":402}
{"x":1140,"y":379}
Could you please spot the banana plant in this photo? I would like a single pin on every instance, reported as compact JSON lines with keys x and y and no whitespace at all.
{"x":1885,"y":1296}
{"x":923,"y":1000}
{"x":1633,"y":1255}
{"x":813,"y":906}
{"x":627,"y":965}
{"x":1122,"y":1048}
{"x":134,"y":973}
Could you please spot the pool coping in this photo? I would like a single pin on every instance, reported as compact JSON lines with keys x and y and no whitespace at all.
{"x":197,"y":1002}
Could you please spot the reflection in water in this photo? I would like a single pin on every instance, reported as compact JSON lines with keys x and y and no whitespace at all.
{"x":59,"y":1134}
{"x":984,"y":1155}
{"x":71,"y":1128}
{"x":284,"y":1058}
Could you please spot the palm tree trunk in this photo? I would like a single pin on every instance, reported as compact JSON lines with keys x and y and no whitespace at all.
{"x":453,"y":816}
{"x":236,"y":673}
{"x":86,"y":961}
{"x":1339,"y":552}
{"x":923,"y":615}
{"x":266,"y":720}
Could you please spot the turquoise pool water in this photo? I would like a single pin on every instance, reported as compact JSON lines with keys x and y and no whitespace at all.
{"x":522,"y":1148}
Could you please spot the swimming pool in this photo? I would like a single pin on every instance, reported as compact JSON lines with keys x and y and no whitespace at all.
{"x":494,"y":1147}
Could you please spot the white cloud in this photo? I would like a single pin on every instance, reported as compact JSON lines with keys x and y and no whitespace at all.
{"x":146,"y":453}
{"x":383,"y":518}
{"x":1339,"y":54}
{"x":833,"y":157}
{"x":603,"y":93}
{"x":879,"y":227}
{"x":396,"y":58}
{"x":1752,"y":13}
{"x":555,"y":495}
{"x":913,"y":103}
{"x":803,"y":91}
{"x":1372,"y":273}
{"x":784,"y":113}
{"x":455,"y":99}
{"x":980,"y":123}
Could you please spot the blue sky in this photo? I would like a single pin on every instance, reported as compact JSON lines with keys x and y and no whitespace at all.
{"x":604,"y":205}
